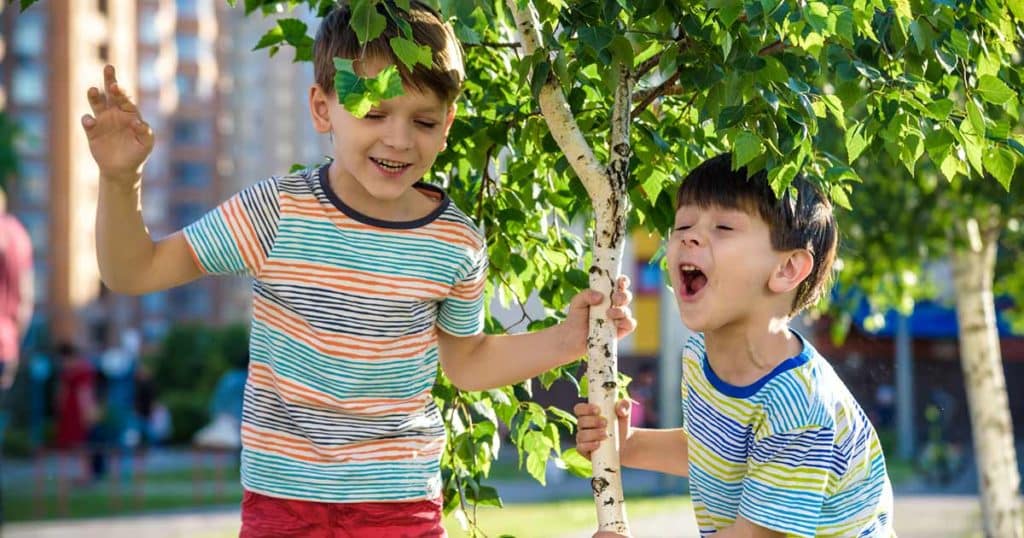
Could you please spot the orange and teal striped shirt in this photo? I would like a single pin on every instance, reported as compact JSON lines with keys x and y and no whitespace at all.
{"x":343,"y":346}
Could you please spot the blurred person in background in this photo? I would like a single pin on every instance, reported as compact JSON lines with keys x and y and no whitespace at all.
{"x":77,"y":407}
{"x":16,"y":301}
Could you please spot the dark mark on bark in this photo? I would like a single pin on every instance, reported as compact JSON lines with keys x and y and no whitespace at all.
{"x":608,"y":385}
{"x":598,"y":485}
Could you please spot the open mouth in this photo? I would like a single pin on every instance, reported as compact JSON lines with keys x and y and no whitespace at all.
{"x":693,"y":279}
{"x":389,"y":165}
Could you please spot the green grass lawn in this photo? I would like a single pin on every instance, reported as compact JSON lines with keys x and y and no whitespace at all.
{"x":159,"y":491}
{"x":546,"y":520}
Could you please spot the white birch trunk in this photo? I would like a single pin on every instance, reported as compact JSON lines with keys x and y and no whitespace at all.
{"x":981,"y":359}
{"x":607,"y":190}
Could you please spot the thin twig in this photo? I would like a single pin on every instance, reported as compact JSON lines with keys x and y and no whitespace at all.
{"x":772,"y":49}
{"x":654,"y":93}
{"x":485,"y":183}
{"x":494,"y":45}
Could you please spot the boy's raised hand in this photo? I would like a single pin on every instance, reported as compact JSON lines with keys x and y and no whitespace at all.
{"x":120,"y":141}
{"x":592,"y":428}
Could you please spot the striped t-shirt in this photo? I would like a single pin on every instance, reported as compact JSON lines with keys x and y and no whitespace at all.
{"x":343,"y":346}
{"x":793,"y":452}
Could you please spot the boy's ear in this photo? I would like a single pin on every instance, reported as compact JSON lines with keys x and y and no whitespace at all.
{"x":793,"y":269}
{"x":448,"y":121}
{"x":319,"y":109}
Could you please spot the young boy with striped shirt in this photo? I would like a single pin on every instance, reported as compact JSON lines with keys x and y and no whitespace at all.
{"x":365,"y":279}
{"x":772,"y":441}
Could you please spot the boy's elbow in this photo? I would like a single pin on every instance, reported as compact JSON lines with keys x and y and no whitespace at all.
{"x":463,"y":380}
{"x":121,"y":286}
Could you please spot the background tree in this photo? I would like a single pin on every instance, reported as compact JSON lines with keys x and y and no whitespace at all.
{"x":564,"y":97}
{"x":939,"y":153}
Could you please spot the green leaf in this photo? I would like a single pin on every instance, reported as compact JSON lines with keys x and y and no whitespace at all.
{"x":1000,"y":162}
{"x":817,"y":15}
{"x":272,"y":37}
{"x":1016,"y":6}
{"x":577,"y":464}
{"x":994,"y":90}
{"x":596,"y":37}
{"x":411,"y":54}
{"x":950,"y":166}
{"x":386,"y":85}
{"x":839,"y":197}
{"x":746,"y":147}
{"x":366,"y":21}
{"x":940,"y":108}
{"x":855,"y":143}
{"x":486,"y":496}
{"x":975,"y":116}
{"x":539,"y":77}
{"x":973,"y":145}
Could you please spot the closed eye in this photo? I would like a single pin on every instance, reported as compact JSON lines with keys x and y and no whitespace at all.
{"x":724,"y":227}
{"x":427,"y":124}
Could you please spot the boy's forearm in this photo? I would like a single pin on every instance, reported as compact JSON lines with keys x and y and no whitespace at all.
{"x":658,"y":450}
{"x":124,"y":249}
{"x":497,"y":360}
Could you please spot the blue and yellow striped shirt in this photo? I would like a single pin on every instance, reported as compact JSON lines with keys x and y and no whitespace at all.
{"x":793,"y":452}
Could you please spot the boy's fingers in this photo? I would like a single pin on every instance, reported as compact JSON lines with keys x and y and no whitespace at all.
{"x":97,"y":101}
{"x":590,"y":422}
{"x":144,"y":132}
{"x":622,"y":297}
{"x":88,"y":122}
{"x":109,"y":77}
{"x":622,"y":283}
{"x":585,"y":408}
{"x":622,"y":408}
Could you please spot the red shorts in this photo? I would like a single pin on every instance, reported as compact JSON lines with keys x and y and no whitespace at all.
{"x":267,"y":517}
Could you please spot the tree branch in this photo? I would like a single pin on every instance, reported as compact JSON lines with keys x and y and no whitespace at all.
{"x":648,"y":97}
{"x":772,"y":49}
{"x":494,"y":45}
{"x":558,"y":115}
{"x":653,"y":61}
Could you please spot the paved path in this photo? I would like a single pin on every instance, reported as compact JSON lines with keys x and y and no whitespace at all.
{"x":917,"y":516}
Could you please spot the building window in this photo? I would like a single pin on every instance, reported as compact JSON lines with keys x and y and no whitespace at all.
{"x":149,"y":28}
{"x":188,"y":47}
{"x":33,"y":132}
{"x":198,"y":132}
{"x":187,"y":8}
{"x":34,"y":182}
{"x":149,"y":76}
{"x":192,"y":173}
{"x":29,"y":35}
{"x":28,"y":87}
{"x":186,"y":86}
{"x":35,"y":223}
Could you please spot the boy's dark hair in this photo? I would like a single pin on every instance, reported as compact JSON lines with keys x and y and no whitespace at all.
{"x":335,"y":38}
{"x":806,"y":222}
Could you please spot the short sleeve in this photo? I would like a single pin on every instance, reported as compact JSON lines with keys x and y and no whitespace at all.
{"x":786,"y":480}
{"x":462,"y":312}
{"x":237,"y":236}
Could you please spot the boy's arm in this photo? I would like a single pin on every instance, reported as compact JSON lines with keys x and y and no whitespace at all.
{"x":744,"y":528}
{"x":664,"y":451}
{"x":661,"y":450}
{"x":482,"y":362}
{"x":120,"y":142}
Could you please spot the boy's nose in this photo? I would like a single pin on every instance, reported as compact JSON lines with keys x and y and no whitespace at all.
{"x":399,"y":138}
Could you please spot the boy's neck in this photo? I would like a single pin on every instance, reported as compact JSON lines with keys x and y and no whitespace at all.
{"x":742,"y":353}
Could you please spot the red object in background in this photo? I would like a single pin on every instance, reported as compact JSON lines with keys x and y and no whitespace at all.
{"x":75,"y":401}
{"x":265,"y":517}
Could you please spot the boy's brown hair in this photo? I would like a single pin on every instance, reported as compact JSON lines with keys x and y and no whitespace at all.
{"x":804,"y":222}
{"x":335,"y":38}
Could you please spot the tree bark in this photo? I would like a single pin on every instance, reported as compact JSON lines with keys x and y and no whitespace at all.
{"x":981,"y":359}
{"x":607,"y":190}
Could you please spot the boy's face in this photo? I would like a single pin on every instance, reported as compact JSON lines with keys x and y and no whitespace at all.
{"x":719,"y":261}
{"x":382,"y":154}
